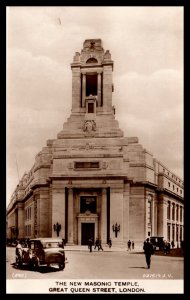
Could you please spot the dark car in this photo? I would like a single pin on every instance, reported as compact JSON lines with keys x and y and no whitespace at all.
{"x":157,"y":242}
{"x":43,"y":251}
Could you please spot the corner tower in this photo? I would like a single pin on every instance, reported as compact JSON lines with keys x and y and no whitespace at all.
{"x":92,"y":112}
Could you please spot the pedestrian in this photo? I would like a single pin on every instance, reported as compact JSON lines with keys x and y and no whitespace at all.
{"x":168,"y":247}
{"x":165,"y":247}
{"x":148,"y":250}
{"x":129,"y":245}
{"x":100,"y":245}
{"x":90,"y":242}
{"x":133,"y":245}
{"x":172,"y":244}
{"x":96,"y":243}
{"x":19,"y":251}
{"x":110,"y":243}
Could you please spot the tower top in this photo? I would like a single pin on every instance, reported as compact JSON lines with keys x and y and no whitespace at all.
{"x":93,"y":44}
{"x":92,"y":53}
{"x":92,"y":113}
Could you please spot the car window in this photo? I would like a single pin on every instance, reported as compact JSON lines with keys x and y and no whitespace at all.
{"x":51,"y":245}
{"x":32,"y":245}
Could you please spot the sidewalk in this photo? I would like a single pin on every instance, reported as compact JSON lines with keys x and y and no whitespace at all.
{"x":106,"y":249}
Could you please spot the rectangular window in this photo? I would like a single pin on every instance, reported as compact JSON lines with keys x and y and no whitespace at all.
{"x":173,"y":212}
{"x":173,"y":233}
{"x":88,"y":203}
{"x":168,"y":210}
{"x":180,"y":214}
{"x":149,"y":212}
{"x":177,"y":212}
{"x":168,"y":238}
{"x":180,"y":233}
{"x":91,"y":84}
{"x":87,"y":165}
{"x":90,"y":108}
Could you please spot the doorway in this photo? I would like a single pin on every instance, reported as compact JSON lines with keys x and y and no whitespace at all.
{"x":87,"y":232}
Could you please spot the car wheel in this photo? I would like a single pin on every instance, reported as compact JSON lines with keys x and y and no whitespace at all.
{"x":37,"y":263}
{"x":61,"y":266}
{"x":19,"y":261}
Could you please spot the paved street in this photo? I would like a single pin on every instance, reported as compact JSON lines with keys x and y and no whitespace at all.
{"x":101,"y":265}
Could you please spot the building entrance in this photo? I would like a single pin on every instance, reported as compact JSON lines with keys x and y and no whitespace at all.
{"x":87,"y":232}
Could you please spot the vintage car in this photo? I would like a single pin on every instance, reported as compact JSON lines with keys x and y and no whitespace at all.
{"x":157,"y":242}
{"x":43,"y":251}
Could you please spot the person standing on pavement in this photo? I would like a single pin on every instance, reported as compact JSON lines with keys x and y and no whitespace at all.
{"x":110,"y":243}
{"x":19,"y":251}
{"x":96,"y":243}
{"x":129,"y":245}
{"x":90,"y":243}
{"x":133,"y":245}
{"x":148,"y":251}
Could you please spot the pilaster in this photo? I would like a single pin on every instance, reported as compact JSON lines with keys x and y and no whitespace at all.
{"x":58,"y":210}
{"x":70,"y":216}
{"x":104,"y":216}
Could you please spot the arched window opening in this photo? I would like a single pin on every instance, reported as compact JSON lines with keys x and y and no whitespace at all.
{"x":91,"y":60}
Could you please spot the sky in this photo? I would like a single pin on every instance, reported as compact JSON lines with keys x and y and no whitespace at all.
{"x":146,"y":44}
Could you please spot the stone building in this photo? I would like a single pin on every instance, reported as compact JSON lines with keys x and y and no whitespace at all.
{"x":91,"y":181}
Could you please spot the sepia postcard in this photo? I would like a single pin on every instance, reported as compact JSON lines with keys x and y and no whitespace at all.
{"x":95,"y":195}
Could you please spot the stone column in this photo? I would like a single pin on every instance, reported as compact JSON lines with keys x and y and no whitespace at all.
{"x":174,"y":234}
{"x":76,"y":89}
{"x":126,"y":233}
{"x":70,"y":216}
{"x":104,"y":216}
{"x":155,"y":216}
{"x":182,"y":221}
{"x":171,"y":211}
{"x":152,"y":217}
{"x":83,"y":89}
{"x":99,"y":89}
{"x":170,"y":232}
{"x":174,"y":212}
{"x":107,"y":88}
{"x":162,"y":218}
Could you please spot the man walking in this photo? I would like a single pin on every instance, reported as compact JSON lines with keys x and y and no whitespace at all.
{"x":100,"y":245}
{"x":148,"y":250}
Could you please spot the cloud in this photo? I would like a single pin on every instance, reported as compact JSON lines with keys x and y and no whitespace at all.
{"x":146,"y":44}
{"x":37,"y":82}
{"x":151,"y":107}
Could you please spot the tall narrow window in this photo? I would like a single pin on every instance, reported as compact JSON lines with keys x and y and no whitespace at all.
{"x":168,"y":210}
{"x":149,"y":212}
{"x":173,"y":233}
{"x":177,"y":212}
{"x":91,"y":85}
{"x":180,"y":233}
{"x":90,"y":108}
{"x":173,"y":211}
{"x":168,"y":233}
{"x":180,"y":213}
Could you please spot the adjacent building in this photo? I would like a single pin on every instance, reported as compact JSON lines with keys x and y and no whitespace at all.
{"x":92,"y":181}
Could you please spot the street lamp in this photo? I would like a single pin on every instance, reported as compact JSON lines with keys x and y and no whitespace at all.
{"x":57,"y":228}
{"x":116,"y":229}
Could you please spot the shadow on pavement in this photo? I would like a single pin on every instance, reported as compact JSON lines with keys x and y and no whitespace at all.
{"x":137,"y":267}
{"x":42,"y":269}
